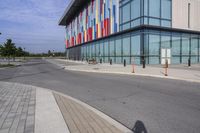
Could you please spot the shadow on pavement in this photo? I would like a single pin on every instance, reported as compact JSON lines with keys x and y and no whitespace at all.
{"x":139,"y":127}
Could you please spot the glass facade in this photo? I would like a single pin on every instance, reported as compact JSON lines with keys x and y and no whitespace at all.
{"x":133,"y":46}
{"x":150,"y":12}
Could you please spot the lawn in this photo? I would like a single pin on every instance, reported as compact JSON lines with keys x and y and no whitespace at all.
{"x":6,"y":65}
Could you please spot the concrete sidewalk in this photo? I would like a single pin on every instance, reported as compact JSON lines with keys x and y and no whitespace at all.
{"x":178,"y":72}
{"x":30,"y":109}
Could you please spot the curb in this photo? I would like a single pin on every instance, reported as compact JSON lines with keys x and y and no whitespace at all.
{"x":145,"y":75}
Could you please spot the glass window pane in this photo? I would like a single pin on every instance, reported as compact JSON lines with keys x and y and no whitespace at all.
{"x":97,"y":50}
{"x":135,"y":9}
{"x":126,"y":26}
{"x":166,"y":23}
{"x":194,"y":50}
{"x":118,"y":60}
{"x":185,"y":46}
{"x":145,"y":7}
{"x":135,"y":45}
{"x":153,"y":21}
{"x":93,"y":50}
{"x":165,"y":41}
{"x":106,"y":49}
{"x":101,"y":50}
{"x":154,"y":8}
{"x":118,"y":47}
{"x":176,"y":49}
{"x":154,"y":44}
{"x":126,"y":13}
{"x":166,"y":9}
{"x":126,"y":46}
{"x":176,"y":45}
{"x":194,"y":46}
{"x":135,"y":23}
{"x":112,"y":48}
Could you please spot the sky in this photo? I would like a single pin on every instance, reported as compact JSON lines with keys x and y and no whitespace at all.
{"x":33,"y":24}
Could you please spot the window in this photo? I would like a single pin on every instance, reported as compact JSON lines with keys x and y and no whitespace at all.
{"x":145,"y":7}
{"x":135,"y":49}
{"x":176,"y":49}
{"x":194,"y":50}
{"x":126,"y":13}
{"x":185,"y":46}
{"x":126,"y":46}
{"x":185,"y":49}
{"x":166,"y":9}
{"x":118,"y":47}
{"x":112,"y":48}
{"x":154,"y":21}
{"x":166,"y":23}
{"x":135,"y":9}
{"x":101,"y":50}
{"x":154,"y":8}
{"x":165,"y":41}
{"x":154,"y":49}
{"x":135,"y":45}
{"x":106,"y":48}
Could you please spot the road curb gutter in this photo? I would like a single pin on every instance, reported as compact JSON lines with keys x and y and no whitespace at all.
{"x":136,"y":74}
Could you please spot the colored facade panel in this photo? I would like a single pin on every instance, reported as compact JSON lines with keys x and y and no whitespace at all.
{"x":98,"y":19}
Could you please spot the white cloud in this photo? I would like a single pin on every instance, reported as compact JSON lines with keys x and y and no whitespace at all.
{"x":34,"y":21}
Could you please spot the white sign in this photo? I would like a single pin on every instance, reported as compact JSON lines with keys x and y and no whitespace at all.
{"x":165,"y":55}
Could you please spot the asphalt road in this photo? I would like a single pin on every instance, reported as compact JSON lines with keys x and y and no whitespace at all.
{"x":151,"y":105}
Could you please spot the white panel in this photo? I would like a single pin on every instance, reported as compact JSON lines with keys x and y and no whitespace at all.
{"x":180,"y":14}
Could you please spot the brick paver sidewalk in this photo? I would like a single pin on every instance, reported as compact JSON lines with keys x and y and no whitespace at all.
{"x":17,"y":108}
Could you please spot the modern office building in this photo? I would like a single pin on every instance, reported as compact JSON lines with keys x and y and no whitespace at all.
{"x":133,"y":30}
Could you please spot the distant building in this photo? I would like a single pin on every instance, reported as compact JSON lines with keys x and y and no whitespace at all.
{"x":133,"y":30}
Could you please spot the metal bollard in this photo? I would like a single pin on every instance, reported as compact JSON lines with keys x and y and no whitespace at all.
{"x":143,"y":63}
{"x":189,"y":62}
{"x":124,"y":63}
{"x":100,"y":61}
{"x":166,"y":67}
{"x":110,"y":61}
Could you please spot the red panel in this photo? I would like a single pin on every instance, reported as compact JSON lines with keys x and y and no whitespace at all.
{"x":91,"y":34}
{"x":97,"y":31}
{"x":72,"y":41}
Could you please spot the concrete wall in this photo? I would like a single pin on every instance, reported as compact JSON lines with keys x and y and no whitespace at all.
{"x":180,"y":14}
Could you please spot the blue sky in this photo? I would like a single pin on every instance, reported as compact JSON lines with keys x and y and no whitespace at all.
{"x":33,"y":24}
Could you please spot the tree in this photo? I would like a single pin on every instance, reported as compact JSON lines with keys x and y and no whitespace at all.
{"x":8,"y":50}
{"x":49,"y":53}
{"x":19,"y":52}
